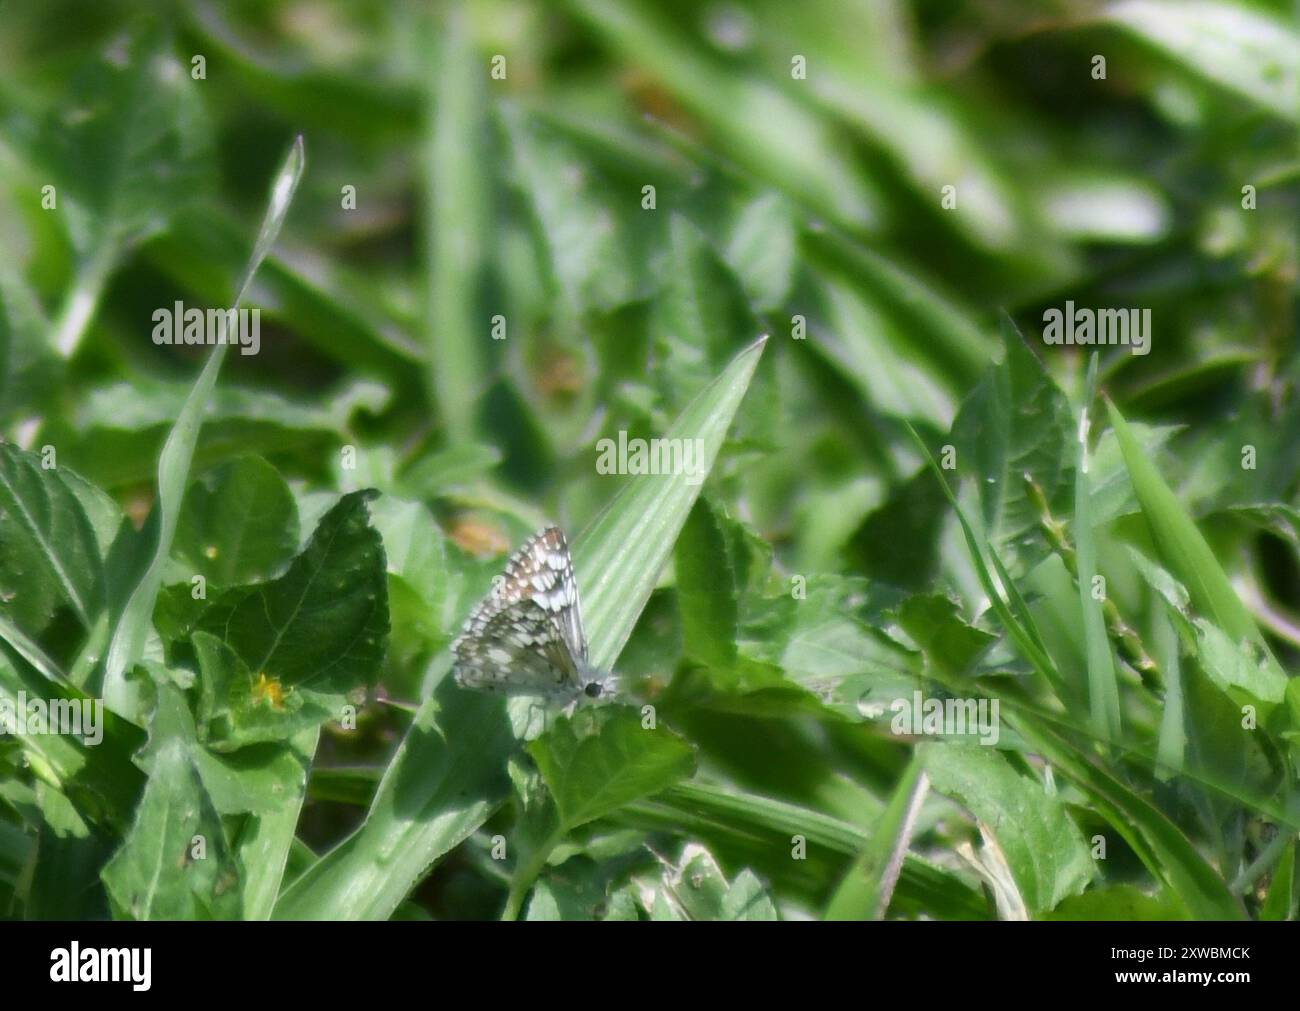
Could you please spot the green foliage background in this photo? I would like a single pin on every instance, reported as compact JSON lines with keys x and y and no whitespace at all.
{"x":908,"y":491}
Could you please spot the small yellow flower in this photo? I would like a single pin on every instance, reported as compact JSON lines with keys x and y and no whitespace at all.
{"x":268,"y":689}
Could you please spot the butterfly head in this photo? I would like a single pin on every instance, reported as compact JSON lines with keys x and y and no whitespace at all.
{"x":598,"y":685}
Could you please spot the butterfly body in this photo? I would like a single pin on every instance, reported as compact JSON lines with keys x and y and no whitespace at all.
{"x":526,"y":636}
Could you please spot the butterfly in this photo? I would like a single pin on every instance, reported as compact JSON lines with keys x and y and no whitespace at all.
{"x":525,"y":637}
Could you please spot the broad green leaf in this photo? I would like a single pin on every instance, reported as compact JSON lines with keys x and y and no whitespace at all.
{"x":951,"y":644}
{"x":99,"y":778}
{"x":590,"y":776}
{"x":898,"y":542}
{"x":321,"y":626}
{"x":1280,"y":902}
{"x":175,"y":862}
{"x":1015,"y":422}
{"x":238,"y":524}
{"x":50,"y":557}
{"x":815,"y":637}
{"x":1116,"y":902}
{"x":1044,"y":848}
{"x":237,"y":707}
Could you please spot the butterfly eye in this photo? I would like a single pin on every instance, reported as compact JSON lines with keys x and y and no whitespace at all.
{"x":592,"y":689}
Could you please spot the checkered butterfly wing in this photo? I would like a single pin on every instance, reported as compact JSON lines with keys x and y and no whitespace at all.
{"x":526,"y":636}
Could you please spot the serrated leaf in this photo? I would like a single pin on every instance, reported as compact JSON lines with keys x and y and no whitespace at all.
{"x":323,"y":625}
{"x":49,"y":553}
{"x":950,"y":643}
{"x":592,"y":776}
{"x":1044,"y":848}
{"x":157,"y":874}
{"x":1015,"y":422}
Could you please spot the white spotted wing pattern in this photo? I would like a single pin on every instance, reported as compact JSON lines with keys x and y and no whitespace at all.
{"x":525,"y":637}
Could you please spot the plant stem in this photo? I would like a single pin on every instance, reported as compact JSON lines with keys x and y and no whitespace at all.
{"x":526,"y":874}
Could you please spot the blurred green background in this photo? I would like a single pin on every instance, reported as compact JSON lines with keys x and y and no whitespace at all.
{"x":478,"y":171}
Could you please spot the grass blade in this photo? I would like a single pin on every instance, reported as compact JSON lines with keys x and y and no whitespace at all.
{"x":454,"y":222}
{"x":866,"y":889}
{"x":133,"y":626}
{"x":1182,"y":547}
{"x":1103,"y":691}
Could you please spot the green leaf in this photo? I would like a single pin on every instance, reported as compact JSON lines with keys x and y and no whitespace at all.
{"x":1015,"y":422}
{"x":593,"y":775}
{"x":581,"y":228}
{"x":50,"y":556}
{"x":702,"y":318}
{"x":699,"y":889}
{"x":160,"y":873}
{"x":706,"y":590}
{"x":756,"y":123}
{"x":323,"y":625}
{"x":239,"y":524}
{"x":1156,"y":840}
{"x":268,"y":838}
{"x":619,"y":556}
{"x":1116,"y":902}
{"x":762,"y":832}
{"x":951,"y":644}
{"x":1280,"y":902}
{"x":1184,"y":552}
{"x":1044,"y":848}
